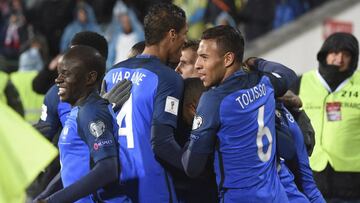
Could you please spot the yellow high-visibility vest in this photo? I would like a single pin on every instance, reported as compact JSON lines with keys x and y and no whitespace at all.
{"x":335,"y":117}
{"x":23,"y":154}
{"x":31,"y":101}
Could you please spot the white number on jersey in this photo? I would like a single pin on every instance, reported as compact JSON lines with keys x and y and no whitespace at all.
{"x":263,"y":131}
{"x":127,"y":131}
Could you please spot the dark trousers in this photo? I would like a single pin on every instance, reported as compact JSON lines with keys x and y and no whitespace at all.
{"x":338,"y":185}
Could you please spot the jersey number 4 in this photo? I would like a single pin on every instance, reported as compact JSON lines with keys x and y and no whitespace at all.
{"x":124,"y":120}
{"x":263,"y":131}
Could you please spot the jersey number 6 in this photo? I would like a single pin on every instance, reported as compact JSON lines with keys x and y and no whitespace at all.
{"x":263,"y":131}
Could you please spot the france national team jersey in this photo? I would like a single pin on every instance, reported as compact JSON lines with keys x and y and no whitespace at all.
{"x":239,"y":116}
{"x":54,"y":111}
{"x":287,"y":180}
{"x":87,"y":137}
{"x":154,"y":99}
{"x":300,"y":166}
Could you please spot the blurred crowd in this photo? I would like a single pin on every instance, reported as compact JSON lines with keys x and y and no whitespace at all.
{"x":33,"y":32}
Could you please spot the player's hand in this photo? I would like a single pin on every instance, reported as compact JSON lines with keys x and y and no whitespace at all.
{"x":43,"y":127}
{"x":249,"y":64}
{"x":306,"y":128}
{"x":118,"y":95}
{"x":291,"y":100}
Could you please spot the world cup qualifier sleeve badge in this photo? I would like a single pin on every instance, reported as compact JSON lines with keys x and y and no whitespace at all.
{"x":333,"y":111}
{"x":97,"y":128}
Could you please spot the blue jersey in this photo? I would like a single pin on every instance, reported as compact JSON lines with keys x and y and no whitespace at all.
{"x":301,"y":170}
{"x":154,"y":100}
{"x":287,"y":180}
{"x":54,"y":112}
{"x":237,"y":119}
{"x":87,"y":137}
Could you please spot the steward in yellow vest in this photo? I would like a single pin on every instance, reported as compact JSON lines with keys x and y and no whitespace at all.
{"x":32,"y":101}
{"x":331,"y":99}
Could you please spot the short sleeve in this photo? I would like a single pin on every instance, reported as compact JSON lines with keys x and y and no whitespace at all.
{"x":95,"y":126}
{"x":205,"y":125}
{"x":168,"y":100}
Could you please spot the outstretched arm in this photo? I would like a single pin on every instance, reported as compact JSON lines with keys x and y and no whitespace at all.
{"x":104,"y":172}
{"x":281,"y":76}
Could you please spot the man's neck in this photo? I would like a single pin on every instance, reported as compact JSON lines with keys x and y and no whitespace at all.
{"x":83,"y":98}
{"x":231,"y":70}
{"x":158,"y":51}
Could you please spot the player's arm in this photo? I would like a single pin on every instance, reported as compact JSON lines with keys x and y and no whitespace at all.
{"x":95,"y":127}
{"x":306,"y":128}
{"x":203,"y":136}
{"x":285,"y":143}
{"x":54,"y":186}
{"x":281,"y":76}
{"x":104,"y":172}
{"x":49,"y":123}
{"x":166,"y":107}
{"x":165,"y":146}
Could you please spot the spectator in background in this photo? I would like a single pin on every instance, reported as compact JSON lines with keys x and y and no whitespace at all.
{"x":288,"y":10}
{"x":35,"y":56}
{"x":215,"y":8}
{"x":84,"y":20}
{"x":225,"y":19}
{"x":50,"y":18}
{"x":123,"y":33}
{"x":186,"y":66}
{"x":30,"y":63}
{"x":258,"y":17}
{"x":13,"y":35}
{"x":195,"y":10}
{"x":330,"y":96}
{"x":103,"y":10}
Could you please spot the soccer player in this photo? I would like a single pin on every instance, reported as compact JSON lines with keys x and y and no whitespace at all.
{"x":186,"y":66}
{"x":88,"y":141}
{"x":235,"y":119}
{"x":55,"y":111}
{"x":299,"y":165}
{"x":148,"y":119}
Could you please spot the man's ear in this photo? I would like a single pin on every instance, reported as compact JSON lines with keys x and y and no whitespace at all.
{"x":172,"y":34}
{"x":229,"y":59}
{"x":91,"y":77}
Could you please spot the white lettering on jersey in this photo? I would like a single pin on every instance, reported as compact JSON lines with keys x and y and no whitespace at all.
{"x":171,"y":105}
{"x":43,"y":112}
{"x":135,"y":77}
{"x":251,"y":95}
{"x":197,"y":122}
